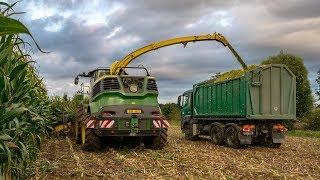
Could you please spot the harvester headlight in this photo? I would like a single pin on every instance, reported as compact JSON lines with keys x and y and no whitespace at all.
{"x":133,"y":88}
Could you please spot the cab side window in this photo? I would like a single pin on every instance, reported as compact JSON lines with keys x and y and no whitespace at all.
{"x":184,"y":100}
{"x":95,"y":76}
{"x":102,"y":73}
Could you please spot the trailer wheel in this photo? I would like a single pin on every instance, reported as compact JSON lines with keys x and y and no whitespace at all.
{"x":271,"y":144}
{"x":158,"y":142}
{"x":274,"y":145}
{"x":232,"y":137}
{"x":216,"y":134}
{"x":89,"y":140}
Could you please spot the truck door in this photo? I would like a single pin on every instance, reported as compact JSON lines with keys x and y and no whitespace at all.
{"x":186,"y":105}
{"x":185,"y":102}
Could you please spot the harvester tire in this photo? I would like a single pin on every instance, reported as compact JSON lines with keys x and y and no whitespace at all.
{"x":92,"y":142}
{"x":160,"y":141}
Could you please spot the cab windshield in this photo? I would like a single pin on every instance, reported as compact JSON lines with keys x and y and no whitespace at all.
{"x":134,"y":71}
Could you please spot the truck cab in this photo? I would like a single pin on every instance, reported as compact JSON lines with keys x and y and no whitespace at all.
{"x":185,"y":102}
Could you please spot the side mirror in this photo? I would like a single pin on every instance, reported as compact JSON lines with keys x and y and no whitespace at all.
{"x":179,"y":100}
{"x":76,"y":80}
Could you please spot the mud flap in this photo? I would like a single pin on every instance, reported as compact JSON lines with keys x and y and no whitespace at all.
{"x":245,"y":139}
{"x":278,"y":137}
{"x":195,"y":130}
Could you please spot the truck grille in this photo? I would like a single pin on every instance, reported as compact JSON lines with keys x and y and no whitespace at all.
{"x":110,"y":84}
{"x":152,"y":86}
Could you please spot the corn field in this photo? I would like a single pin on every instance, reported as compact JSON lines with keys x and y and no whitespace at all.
{"x":24,"y":104}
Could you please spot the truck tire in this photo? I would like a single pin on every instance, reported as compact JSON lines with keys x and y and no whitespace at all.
{"x":274,"y":145}
{"x":271,"y":144}
{"x":217,"y":135}
{"x":157,"y":142}
{"x":232,"y":137}
{"x":91,"y":141}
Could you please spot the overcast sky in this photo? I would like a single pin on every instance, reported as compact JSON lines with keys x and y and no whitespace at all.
{"x":83,"y":35}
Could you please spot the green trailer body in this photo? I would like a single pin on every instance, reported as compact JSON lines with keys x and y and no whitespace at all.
{"x":248,"y":109}
{"x":268,"y":92}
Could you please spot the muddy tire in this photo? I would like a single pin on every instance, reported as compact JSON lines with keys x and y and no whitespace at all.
{"x":92,"y":141}
{"x":232,"y":138}
{"x":148,"y":141}
{"x":217,"y":135}
{"x":274,"y":145}
{"x":158,"y":142}
{"x":269,"y":143}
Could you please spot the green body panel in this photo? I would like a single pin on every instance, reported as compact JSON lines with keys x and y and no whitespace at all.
{"x":119,"y":98}
{"x":267,"y":92}
{"x":222,"y":99}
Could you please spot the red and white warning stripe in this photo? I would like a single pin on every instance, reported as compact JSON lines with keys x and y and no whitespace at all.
{"x":156,"y":123}
{"x":106,"y":124}
{"x":161,"y":123}
{"x":166,"y":123}
{"x":90,"y":124}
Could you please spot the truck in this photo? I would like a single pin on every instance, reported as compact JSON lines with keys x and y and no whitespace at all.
{"x":125,"y":105}
{"x":250,"y":109}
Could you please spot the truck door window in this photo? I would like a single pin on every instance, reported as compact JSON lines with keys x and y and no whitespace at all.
{"x":181,"y":101}
{"x":189,"y":99}
{"x":185,"y":100}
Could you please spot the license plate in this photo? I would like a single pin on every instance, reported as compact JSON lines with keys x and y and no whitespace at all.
{"x":134,"y":111}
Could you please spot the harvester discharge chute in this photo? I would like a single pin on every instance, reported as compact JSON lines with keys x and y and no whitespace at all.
{"x":115,"y":68}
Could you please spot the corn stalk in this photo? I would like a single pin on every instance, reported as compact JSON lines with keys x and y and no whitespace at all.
{"x":24,"y":105}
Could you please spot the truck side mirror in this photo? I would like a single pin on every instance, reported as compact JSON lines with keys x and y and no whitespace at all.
{"x":179,"y":100}
{"x":76,"y":80}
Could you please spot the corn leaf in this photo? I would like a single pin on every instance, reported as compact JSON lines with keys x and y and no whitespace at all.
{"x":17,"y":70}
{"x":9,"y":26}
{"x":5,"y":137}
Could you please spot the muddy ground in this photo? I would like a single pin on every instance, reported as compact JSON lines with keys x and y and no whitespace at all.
{"x":298,"y":158}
